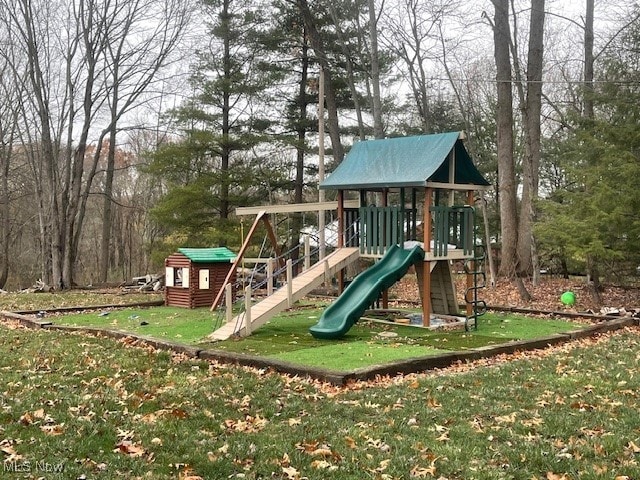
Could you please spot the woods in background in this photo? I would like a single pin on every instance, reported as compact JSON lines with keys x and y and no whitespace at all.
{"x":129,"y":128}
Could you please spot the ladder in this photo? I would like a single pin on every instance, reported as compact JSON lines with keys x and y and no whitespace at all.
{"x":475,"y":267}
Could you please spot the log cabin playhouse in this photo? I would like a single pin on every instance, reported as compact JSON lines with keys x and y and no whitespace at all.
{"x":417,"y":189}
{"x":194,"y":275}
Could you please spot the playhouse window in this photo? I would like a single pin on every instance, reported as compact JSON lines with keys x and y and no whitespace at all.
{"x":177,"y":277}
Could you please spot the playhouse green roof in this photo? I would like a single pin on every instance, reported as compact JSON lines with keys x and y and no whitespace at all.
{"x":208,"y":255}
{"x":404,"y":162}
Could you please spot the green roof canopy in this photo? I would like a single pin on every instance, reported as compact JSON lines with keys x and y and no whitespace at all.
{"x":208,"y":255}
{"x":404,"y":162}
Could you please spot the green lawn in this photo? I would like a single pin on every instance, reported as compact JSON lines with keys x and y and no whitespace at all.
{"x":287,"y":338}
{"x":165,"y":323}
{"x":96,"y":408}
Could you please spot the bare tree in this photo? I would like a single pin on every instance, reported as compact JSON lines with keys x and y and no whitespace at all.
{"x":412,"y":33}
{"x":9,"y":113}
{"x":132,"y":68}
{"x":504,"y":125}
{"x":530,"y":107}
{"x":81,"y":65}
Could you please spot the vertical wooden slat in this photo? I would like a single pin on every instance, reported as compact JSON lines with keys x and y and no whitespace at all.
{"x":445,"y":232}
{"x":394,"y":226}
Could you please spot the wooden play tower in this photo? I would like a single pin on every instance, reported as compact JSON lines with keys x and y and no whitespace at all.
{"x":392,"y":195}
{"x":412,"y":190}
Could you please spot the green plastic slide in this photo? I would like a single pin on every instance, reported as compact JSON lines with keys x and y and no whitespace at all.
{"x":340,"y":316}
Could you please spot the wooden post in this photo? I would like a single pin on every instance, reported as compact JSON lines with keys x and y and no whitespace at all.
{"x":229,"y":301}
{"x":321,"y":225}
{"x":327,"y":274}
{"x":270,"y":263}
{"x":247,"y":309}
{"x":289,"y":283}
{"x":307,"y":253}
{"x":341,"y":235}
{"x":452,"y":175}
{"x":426,"y":265}
{"x":384,"y":227}
{"x":341,"y":232}
{"x":472,"y":264}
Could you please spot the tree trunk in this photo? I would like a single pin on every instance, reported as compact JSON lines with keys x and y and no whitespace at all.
{"x":225,"y":156}
{"x":5,"y":157}
{"x":504,"y":125}
{"x":107,"y":203}
{"x":355,"y":97}
{"x":378,"y":129}
{"x":303,"y":101}
{"x":531,"y":162}
{"x":330,"y":95}
{"x":588,"y":60}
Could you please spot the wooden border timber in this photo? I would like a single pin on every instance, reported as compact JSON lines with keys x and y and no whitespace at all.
{"x":296,"y":207}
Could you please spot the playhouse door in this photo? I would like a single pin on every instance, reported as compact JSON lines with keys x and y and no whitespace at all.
{"x":204,"y":279}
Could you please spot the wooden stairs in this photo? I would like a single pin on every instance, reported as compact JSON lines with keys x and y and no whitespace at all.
{"x":301,"y":285}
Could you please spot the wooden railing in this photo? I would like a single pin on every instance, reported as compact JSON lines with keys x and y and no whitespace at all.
{"x":374,"y":229}
{"x":380,"y":227}
{"x":452,"y":226}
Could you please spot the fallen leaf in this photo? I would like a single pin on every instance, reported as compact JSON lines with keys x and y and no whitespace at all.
{"x":321,"y":452}
{"x":127,"y":447}
{"x":320,"y":464}
{"x":351,"y":443}
{"x":633,"y":448}
{"x":291,"y":473}
{"x":555,"y":476}
{"x":53,"y":429}
{"x":422,"y":472}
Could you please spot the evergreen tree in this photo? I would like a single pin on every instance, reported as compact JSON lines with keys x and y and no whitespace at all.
{"x":595,"y":222}
{"x":221,"y":160}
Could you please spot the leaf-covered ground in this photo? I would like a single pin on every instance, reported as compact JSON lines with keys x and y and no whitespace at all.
{"x":546,"y":296}
{"x":15,"y":301}
{"x":95,"y":408}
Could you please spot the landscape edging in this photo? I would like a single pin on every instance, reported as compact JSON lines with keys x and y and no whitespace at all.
{"x":411,"y":365}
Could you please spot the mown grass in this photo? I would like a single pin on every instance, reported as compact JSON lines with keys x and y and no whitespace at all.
{"x":164,"y":323}
{"x":105,"y":411}
{"x":287,"y":336}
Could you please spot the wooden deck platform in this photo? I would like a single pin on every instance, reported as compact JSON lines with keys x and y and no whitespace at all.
{"x":301,"y":286}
